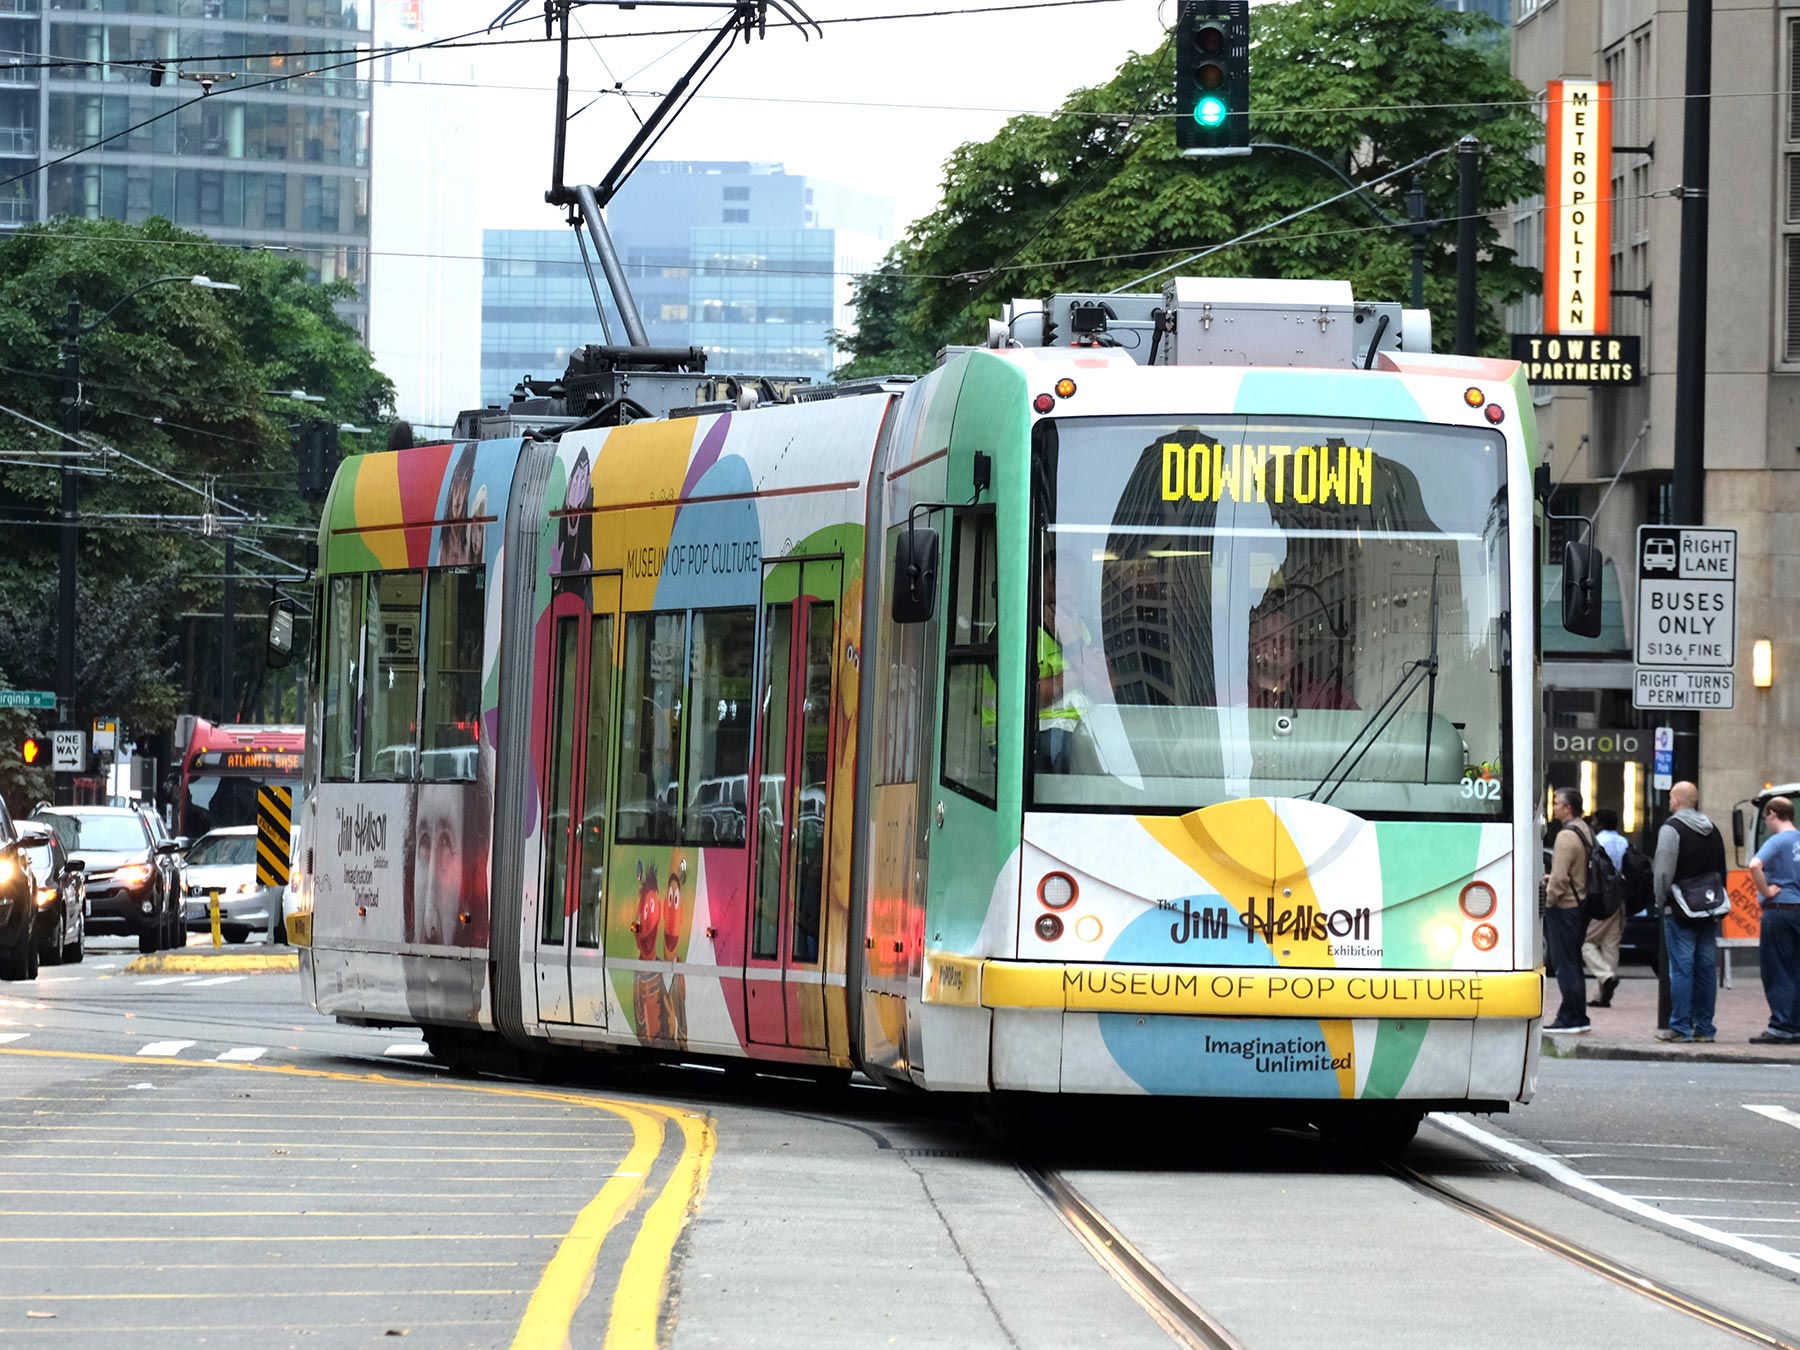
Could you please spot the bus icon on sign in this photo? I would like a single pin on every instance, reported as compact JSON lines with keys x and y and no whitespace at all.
{"x":1659,"y":554}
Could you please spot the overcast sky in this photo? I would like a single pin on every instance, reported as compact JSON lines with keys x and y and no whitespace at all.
{"x":823,"y":108}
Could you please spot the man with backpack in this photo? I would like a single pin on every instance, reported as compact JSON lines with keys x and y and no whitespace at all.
{"x":1605,"y":904}
{"x":1565,"y":897}
{"x":1690,"y":895}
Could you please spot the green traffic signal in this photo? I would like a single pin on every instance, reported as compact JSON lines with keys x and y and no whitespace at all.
{"x":1210,"y":111}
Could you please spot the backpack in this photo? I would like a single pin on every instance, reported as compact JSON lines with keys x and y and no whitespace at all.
{"x":1605,"y":887}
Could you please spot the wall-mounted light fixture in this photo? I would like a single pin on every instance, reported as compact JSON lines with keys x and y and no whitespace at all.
{"x":1588,"y":772}
{"x":1634,"y":788}
{"x":1762,"y":664}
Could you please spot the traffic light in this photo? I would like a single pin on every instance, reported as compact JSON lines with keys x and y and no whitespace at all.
{"x":31,"y":750}
{"x":316,"y":456}
{"x":1212,"y":77}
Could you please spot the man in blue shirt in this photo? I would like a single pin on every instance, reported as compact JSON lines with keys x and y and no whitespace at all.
{"x":1776,"y":873}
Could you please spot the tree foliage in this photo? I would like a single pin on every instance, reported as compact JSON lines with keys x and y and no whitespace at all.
{"x":1098,"y":195}
{"x":176,"y":382}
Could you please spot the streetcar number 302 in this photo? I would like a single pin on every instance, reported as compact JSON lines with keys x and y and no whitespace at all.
{"x":1481,"y":789}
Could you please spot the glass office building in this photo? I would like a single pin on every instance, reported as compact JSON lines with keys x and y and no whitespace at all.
{"x":745,"y":260}
{"x":284,"y":163}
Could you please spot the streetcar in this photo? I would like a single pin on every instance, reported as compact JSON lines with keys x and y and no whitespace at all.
{"x":1085,"y":718}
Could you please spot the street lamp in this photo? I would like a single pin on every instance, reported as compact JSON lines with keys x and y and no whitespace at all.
{"x":298,"y":395}
{"x":73,"y":330}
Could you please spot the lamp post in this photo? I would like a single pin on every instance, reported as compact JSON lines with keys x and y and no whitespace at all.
{"x":73,"y":330}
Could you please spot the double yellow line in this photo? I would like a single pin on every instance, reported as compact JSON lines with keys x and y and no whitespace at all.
{"x":643,"y":1280}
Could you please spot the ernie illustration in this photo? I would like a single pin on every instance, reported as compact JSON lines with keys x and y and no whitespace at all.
{"x":659,"y":1002}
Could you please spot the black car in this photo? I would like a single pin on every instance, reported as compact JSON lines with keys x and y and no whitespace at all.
{"x":18,"y":907}
{"x":59,"y":889}
{"x":133,"y":873}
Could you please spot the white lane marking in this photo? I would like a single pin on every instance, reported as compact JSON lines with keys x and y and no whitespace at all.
{"x":1698,"y":1181}
{"x":244,"y":1052}
{"x":167,"y":979}
{"x":1568,"y":1176}
{"x":58,"y":979}
{"x":163,"y":1049}
{"x":8,"y":1037}
{"x":408,"y":1050}
{"x":1781,"y":1113}
{"x":113,"y":966}
{"x":217,"y":979}
{"x":1614,"y":1143}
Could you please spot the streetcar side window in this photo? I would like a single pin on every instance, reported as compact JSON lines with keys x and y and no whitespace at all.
{"x":971,"y":692}
{"x":650,"y":728}
{"x":390,"y":741}
{"x":719,"y":698}
{"x":341,"y":691}
{"x":453,"y":655}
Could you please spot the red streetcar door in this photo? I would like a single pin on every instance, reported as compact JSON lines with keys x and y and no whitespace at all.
{"x":570,"y":974}
{"x":785,"y":967}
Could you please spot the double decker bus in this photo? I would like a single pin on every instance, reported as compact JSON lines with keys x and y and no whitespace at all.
{"x":224,"y":765}
{"x":1056,"y":723}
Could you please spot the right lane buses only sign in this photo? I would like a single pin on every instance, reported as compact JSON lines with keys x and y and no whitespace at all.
{"x":1686,"y":618}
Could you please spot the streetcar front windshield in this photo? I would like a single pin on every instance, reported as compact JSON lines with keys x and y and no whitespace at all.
{"x":1235,"y":607}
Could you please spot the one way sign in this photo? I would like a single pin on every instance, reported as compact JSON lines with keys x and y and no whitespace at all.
{"x":1686,"y":617}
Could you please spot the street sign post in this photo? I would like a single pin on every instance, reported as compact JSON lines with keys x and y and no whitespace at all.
{"x":68,"y":751}
{"x":27,"y":698}
{"x":1686,"y":618}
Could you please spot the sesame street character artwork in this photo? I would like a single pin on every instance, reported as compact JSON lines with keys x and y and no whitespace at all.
{"x":659,"y":997}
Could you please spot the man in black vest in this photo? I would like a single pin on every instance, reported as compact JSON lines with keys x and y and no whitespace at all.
{"x":1688,"y":847}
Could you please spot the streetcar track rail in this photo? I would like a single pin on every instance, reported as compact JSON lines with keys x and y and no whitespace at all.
{"x":1618,"y":1272}
{"x":1185,"y":1321}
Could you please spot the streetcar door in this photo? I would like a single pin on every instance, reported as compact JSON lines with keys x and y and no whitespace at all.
{"x":791,"y":903}
{"x":570,"y":974}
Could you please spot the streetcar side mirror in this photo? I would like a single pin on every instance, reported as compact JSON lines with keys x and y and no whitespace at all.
{"x":1582,"y":565}
{"x":281,"y":634}
{"x":915,"y":574}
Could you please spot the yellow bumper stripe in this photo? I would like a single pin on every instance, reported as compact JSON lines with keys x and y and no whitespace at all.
{"x":1230,"y":992}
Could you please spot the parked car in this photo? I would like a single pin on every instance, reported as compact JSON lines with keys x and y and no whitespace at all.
{"x":222,"y":862}
{"x":59,"y":889}
{"x":133,"y":873}
{"x":18,"y":907}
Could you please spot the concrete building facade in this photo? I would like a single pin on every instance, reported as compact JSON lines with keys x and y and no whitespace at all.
{"x":284,"y":164}
{"x":1611,"y":451}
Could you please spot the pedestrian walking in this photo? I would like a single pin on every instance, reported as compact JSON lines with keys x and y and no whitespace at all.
{"x":1564,"y":891}
{"x":1776,"y":871}
{"x":1690,"y":862}
{"x":1600,"y":951}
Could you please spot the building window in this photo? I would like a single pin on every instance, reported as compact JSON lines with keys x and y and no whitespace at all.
{"x":737,"y":194}
{"x":674,"y":313}
{"x":737,"y":216}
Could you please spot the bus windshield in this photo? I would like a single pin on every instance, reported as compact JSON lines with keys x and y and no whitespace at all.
{"x":217,"y":800}
{"x":1238,"y":607}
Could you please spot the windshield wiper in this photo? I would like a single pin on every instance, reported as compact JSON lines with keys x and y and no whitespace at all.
{"x":1421,"y":671}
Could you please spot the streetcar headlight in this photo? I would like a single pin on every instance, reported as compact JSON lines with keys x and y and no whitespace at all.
{"x":1446,"y":937}
{"x":1057,"y":890}
{"x":1478,"y":900}
{"x":8,"y":869}
{"x":1485,"y":937}
{"x":1049,"y":927}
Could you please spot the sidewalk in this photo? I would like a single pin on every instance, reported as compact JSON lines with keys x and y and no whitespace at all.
{"x":1627,"y":1030}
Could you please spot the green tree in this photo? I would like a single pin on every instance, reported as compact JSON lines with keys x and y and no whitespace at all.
{"x":1098,"y":195}
{"x":175,"y":381}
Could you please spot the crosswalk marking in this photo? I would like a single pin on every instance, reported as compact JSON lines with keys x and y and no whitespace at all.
{"x":218,"y":979}
{"x":408,"y":1050}
{"x":1781,"y":1113}
{"x":239,"y":1052}
{"x":168,"y":979}
{"x":8,"y":1037}
{"x":163,"y":1049}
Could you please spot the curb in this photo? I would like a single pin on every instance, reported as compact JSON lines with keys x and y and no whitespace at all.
{"x":1713,"y":1054}
{"x":173,"y":963}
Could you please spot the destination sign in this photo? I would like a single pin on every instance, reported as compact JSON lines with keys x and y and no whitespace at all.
{"x":1307,"y":475}
{"x":249,"y":761}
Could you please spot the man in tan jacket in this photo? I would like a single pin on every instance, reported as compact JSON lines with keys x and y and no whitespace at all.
{"x":1564,"y":923}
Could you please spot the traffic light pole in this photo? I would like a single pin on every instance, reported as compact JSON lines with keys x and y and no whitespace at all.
{"x":1468,"y":227}
{"x":227,"y":634}
{"x":65,"y":584}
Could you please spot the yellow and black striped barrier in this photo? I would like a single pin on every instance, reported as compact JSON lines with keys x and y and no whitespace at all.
{"x":274,"y":825}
